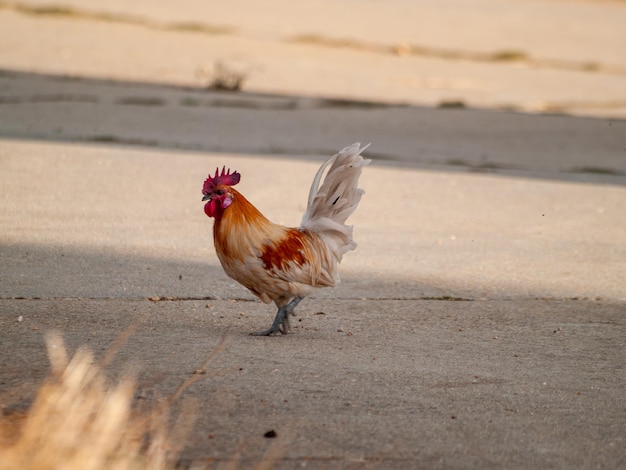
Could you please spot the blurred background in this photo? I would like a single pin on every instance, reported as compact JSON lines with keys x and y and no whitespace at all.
{"x":529,"y":55}
{"x":305,"y":78}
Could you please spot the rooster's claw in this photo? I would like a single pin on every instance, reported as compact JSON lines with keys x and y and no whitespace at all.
{"x":269,"y":332}
{"x":281,"y":322}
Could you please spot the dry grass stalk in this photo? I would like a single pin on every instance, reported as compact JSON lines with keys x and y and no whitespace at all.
{"x":78,"y":421}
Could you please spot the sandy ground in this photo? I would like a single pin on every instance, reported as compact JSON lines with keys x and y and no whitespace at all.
{"x":481,"y":321}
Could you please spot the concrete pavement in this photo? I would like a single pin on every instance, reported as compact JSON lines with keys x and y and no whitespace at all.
{"x":470,"y":330}
{"x":367,"y":384}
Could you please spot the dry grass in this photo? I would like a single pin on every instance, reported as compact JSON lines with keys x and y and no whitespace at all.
{"x":223,"y":77}
{"x":67,"y":12}
{"x":500,"y":56}
{"x":79,"y":421}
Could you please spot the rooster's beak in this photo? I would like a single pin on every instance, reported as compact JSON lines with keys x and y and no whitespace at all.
{"x":206,"y":198}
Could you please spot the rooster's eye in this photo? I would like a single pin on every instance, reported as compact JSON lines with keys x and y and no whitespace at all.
{"x":219,"y":192}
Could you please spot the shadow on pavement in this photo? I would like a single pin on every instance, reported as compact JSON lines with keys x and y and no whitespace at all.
{"x":59,"y":108}
{"x":30,"y":271}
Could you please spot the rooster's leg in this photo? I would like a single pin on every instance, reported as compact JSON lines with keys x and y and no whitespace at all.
{"x":286,"y":327}
{"x":281,"y":321}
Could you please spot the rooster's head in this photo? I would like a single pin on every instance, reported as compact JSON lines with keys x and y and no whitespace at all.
{"x":216,"y":191}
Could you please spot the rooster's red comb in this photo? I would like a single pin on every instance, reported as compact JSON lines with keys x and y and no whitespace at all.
{"x":225,"y":177}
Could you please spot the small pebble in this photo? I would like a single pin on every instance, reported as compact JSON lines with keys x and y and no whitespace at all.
{"x":20,"y":318}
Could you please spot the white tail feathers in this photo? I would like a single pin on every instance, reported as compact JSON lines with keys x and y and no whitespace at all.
{"x":336,"y":199}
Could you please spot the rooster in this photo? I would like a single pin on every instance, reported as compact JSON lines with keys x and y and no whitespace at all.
{"x":281,"y":264}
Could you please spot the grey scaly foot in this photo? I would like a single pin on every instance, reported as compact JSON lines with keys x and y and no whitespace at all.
{"x":289,"y":310}
{"x":281,"y":321}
